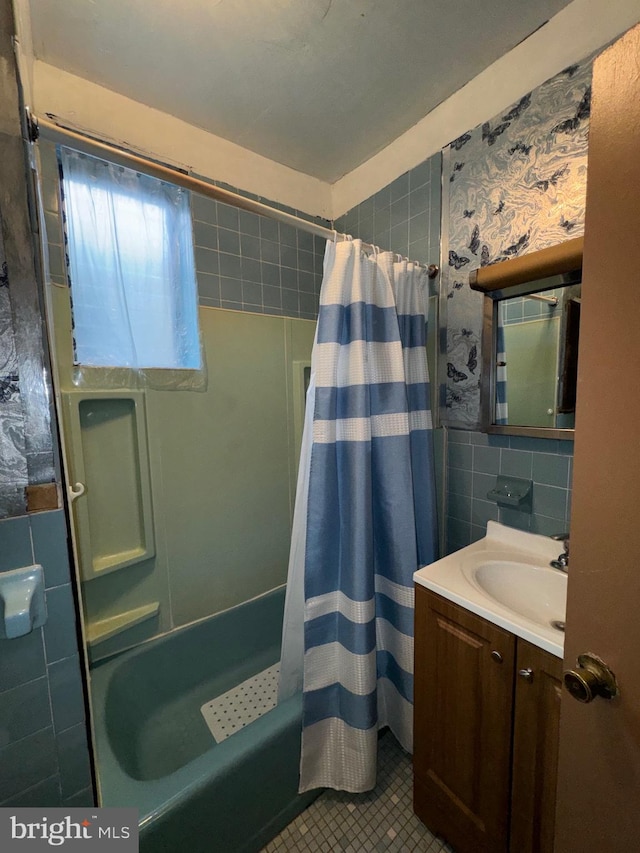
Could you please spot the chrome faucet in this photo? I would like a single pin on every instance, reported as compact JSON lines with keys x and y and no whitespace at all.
{"x":562,"y":562}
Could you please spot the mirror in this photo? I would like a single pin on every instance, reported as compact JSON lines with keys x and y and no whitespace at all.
{"x":530,"y":342}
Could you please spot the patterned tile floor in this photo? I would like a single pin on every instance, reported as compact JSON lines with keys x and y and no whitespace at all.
{"x":381,"y":820}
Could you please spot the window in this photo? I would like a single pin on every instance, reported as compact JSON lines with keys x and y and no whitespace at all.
{"x":131,"y":267}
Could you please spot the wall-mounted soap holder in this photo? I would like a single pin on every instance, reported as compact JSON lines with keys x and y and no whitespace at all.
{"x":22,"y":602}
{"x":512,"y":493}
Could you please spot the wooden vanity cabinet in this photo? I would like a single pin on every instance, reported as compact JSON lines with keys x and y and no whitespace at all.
{"x":485,"y":736}
{"x":536,"y":729}
{"x":463,"y":707}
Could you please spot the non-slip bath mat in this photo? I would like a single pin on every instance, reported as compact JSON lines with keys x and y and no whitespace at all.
{"x":235,"y":709}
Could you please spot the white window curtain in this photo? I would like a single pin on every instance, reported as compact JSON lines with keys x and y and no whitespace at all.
{"x":131,"y":266}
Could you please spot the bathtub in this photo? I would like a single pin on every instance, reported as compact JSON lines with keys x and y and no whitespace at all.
{"x":156,"y":753}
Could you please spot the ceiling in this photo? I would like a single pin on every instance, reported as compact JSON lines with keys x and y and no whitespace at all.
{"x":317,"y":85}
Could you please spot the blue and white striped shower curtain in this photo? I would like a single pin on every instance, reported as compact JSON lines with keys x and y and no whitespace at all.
{"x":501,"y":414}
{"x":365,"y":517}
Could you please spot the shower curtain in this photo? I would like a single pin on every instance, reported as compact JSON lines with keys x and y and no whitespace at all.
{"x":364,"y":519}
{"x":501,"y":414}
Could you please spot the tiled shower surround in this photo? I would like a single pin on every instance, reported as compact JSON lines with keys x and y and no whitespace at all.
{"x":246,"y":262}
{"x":402,"y":217}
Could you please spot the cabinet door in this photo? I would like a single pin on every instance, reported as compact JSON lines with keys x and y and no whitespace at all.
{"x":462,"y":725}
{"x":535,"y":749}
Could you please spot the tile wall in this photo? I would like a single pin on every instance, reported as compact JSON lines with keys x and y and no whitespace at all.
{"x":522,"y":309}
{"x":247,"y":262}
{"x":473,"y":462}
{"x":44,"y":753}
{"x":404,"y":216}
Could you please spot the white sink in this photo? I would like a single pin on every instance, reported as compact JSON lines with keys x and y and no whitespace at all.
{"x":506,"y":578}
{"x":535,"y":592}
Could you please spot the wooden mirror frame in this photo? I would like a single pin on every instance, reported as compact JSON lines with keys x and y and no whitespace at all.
{"x":522,"y":277}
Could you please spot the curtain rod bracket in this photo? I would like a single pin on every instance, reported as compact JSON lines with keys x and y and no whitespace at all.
{"x":433,"y":270}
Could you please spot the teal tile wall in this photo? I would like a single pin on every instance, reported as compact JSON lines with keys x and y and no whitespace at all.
{"x":521,"y":308}
{"x":247,"y":262}
{"x":402,"y":217}
{"x":44,"y":750}
{"x":474,"y":460}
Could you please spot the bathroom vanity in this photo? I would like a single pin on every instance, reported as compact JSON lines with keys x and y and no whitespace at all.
{"x":488,"y":667}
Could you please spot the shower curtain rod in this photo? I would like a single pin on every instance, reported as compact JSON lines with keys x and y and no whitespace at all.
{"x":552,"y":300}
{"x":88,"y":144}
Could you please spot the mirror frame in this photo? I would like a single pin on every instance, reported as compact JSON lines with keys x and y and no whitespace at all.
{"x":519,"y":277}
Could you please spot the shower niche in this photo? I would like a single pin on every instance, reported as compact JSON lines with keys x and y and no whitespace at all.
{"x":111,"y":489}
{"x":110,"y":492}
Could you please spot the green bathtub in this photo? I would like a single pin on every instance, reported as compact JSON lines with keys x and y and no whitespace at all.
{"x":156,"y":753}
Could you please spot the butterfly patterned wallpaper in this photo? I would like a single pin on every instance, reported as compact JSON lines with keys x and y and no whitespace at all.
{"x":513,"y":185}
{"x":13,"y":458}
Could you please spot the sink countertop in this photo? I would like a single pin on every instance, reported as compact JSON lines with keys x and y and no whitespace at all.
{"x":454,"y":578}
